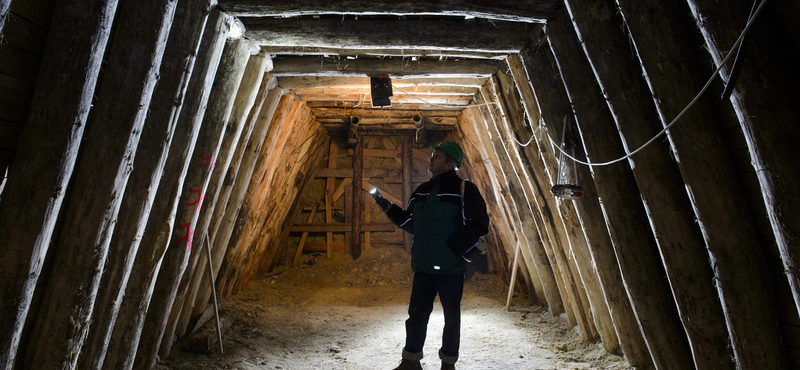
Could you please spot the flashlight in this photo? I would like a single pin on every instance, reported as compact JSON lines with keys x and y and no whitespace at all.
{"x":379,"y":199}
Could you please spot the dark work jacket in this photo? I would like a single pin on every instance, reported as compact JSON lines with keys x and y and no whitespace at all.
{"x":443,"y":224}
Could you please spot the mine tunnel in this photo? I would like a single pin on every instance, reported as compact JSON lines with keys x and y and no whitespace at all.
{"x":635,"y":157}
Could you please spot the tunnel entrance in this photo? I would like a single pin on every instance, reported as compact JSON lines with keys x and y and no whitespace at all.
{"x":345,"y":314}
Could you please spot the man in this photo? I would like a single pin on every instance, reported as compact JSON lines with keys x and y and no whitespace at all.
{"x":446,"y":216}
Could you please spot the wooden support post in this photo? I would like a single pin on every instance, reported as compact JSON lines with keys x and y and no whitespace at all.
{"x":513,"y":278}
{"x":218,"y":252}
{"x":533,"y":252}
{"x":358,"y":197}
{"x":151,"y":158}
{"x":678,"y":239}
{"x":232,"y":232}
{"x":46,"y":156}
{"x":214,"y":206}
{"x":232,"y":109}
{"x":125,"y":338}
{"x":406,"y":147}
{"x":255,"y":249}
{"x":529,"y":223}
{"x":299,"y":252}
{"x":330,"y":185}
{"x":101,"y":177}
{"x":233,"y":208}
{"x":614,"y":184}
{"x":713,"y":185}
{"x":4,"y":6}
{"x":201,"y":166}
{"x":771,"y":133}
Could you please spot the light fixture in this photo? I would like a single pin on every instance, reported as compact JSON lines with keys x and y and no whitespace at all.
{"x":381,"y":90}
{"x":237,"y":29}
{"x":566,"y":186}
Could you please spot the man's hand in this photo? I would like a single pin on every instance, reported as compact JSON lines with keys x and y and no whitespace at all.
{"x":382,"y":202}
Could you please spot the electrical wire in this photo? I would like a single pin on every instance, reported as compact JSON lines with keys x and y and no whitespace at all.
{"x":543,"y":127}
{"x":736,"y":45}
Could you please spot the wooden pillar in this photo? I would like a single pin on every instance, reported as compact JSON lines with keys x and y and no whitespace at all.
{"x":599,"y":312}
{"x":407,"y":180}
{"x":226,"y":105}
{"x":615,"y":185}
{"x":515,"y":120}
{"x":358,"y":196}
{"x":255,"y":130}
{"x":713,"y":188}
{"x":101,"y":176}
{"x":678,"y":238}
{"x":193,"y":198}
{"x":4,"y":6}
{"x":233,"y":232}
{"x":41,"y":171}
{"x":235,"y":208}
{"x":330,"y":187}
{"x":125,"y":338}
{"x":768,"y":118}
{"x":151,"y":158}
{"x":219,"y":184}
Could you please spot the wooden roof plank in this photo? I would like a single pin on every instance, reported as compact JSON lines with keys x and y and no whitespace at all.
{"x":511,"y":10}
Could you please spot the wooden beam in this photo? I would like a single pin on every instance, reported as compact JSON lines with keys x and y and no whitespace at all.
{"x":159,"y":132}
{"x":510,"y":10}
{"x":532,"y":218}
{"x":124,"y":339}
{"x":449,"y":34}
{"x":382,"y":52}
{"x":416,"y":90}
{"x":123,"y":97}
{"x":321,"y":66}
{"x":59,"y":111}
{"x":341,"y":227}
{"x":389,"y":129}
{"x":358,"y":197}
{"x":368,"y":113}
{"x":194,"y":198}
{"x":763,"y":79}
{"x":680,"y":248}
{"x":615,"y":185}
{"x":311,"y":82}
{"x":407,"y":177}
{"x":330,"y":185}
{"x":299,"y":252}
{"x":714,"y":190}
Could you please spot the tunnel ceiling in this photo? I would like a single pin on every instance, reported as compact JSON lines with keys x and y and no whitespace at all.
{"x":437,"y":55}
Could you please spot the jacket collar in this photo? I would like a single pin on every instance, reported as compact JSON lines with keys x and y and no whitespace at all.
{"x":444,"y":177}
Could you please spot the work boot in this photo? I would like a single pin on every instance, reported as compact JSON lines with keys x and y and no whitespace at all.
{"x":409,"y":365}
{"x":446,"y":366}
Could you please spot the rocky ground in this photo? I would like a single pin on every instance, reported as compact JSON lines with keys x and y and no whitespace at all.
{"x":342,"y":314}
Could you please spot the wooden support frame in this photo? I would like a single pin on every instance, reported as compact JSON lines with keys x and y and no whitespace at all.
{"x":40,"y":190}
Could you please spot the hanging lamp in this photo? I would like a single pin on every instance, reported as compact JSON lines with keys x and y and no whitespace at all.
{"x":566,"y":186}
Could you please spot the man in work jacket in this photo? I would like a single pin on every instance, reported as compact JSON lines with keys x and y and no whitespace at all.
{"x":446,"y":216}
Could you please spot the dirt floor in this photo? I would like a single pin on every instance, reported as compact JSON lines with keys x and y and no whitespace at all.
{"x":342,"y":314}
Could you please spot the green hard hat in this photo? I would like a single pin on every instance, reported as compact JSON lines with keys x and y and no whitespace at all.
{"x":452,"y":150}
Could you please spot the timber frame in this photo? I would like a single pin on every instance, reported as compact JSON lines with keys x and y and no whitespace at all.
{"x":147,"y":147}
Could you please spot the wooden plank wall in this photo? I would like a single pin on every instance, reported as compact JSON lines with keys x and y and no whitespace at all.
{"x":300,"y":162}
{"x":21,"y":48}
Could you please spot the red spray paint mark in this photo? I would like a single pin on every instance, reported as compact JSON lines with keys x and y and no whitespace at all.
{"x":200,"y":197}
{"x":188,"y":236}
{"x":208,"y":161}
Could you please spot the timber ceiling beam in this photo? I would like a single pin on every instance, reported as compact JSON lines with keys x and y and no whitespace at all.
{"x":395,"y":67}
{"x":448,"y":34}
{"x":538,"y":11}
{"x":312,"y":82}
{"x":382,"y":52}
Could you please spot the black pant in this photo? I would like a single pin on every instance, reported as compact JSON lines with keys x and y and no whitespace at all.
{"x":450,"y":288}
